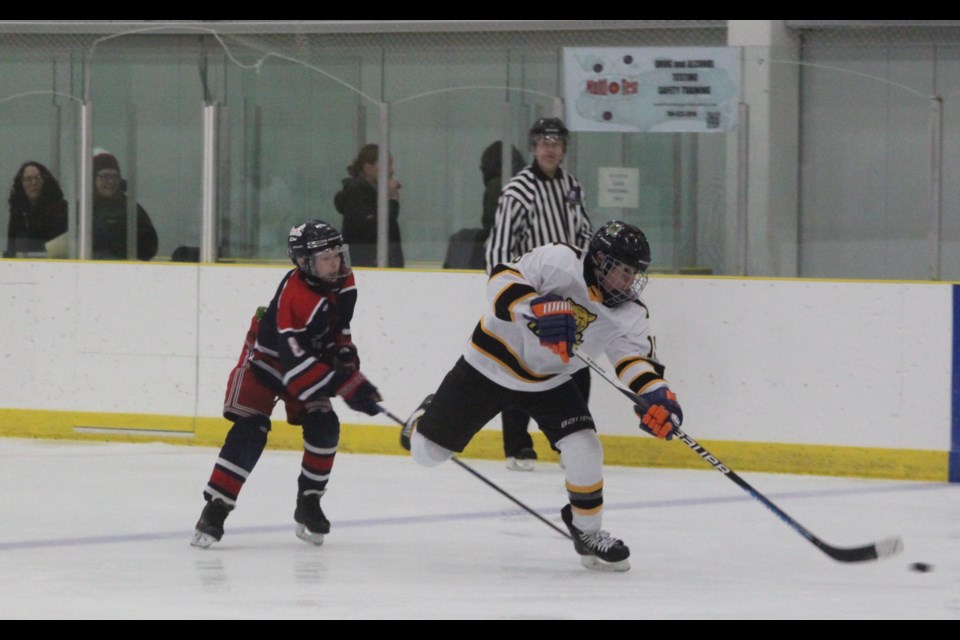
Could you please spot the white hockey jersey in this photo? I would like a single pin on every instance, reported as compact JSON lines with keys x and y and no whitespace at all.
{"x":505,"y":348}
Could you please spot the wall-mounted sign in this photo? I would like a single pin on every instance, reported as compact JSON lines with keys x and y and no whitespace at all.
{"x":619,"y":187}
{"x":693,"y":89}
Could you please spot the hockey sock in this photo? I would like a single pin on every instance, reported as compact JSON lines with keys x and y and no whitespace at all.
{"x":321,"y":435}
{"x":583,"y":459}
{"x":239,"y":455}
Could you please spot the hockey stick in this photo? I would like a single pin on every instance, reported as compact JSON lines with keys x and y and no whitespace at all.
{"x":490,"y":483}
{"x":881,"y":549}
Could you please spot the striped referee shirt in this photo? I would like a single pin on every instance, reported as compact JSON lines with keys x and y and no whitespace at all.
{"x":535,"y":210}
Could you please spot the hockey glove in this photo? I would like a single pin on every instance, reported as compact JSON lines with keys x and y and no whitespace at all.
{"x":346,"y":359}
{"x":662,"y":414}
{"x":359,"y":394}
{"x":554,"y":324}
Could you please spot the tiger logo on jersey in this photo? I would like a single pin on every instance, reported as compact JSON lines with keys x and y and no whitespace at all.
{"x":581,"y":316}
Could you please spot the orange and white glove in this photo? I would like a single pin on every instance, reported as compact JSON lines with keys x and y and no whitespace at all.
{"x":662,"y":415}
{"x":554,"y":324}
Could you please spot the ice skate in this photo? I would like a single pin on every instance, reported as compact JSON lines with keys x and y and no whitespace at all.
{"x":209,"y":527}
{"x":522,"y":460}
{"x":311,"y":523}
{"x":599,"y":550}
{"x":411,"y":422}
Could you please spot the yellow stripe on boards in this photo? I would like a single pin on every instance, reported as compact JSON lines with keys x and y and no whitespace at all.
{"x":639,"y":451}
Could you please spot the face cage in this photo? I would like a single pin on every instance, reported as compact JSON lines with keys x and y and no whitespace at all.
{"x":345,"y":268}
{"x":612,"y":298}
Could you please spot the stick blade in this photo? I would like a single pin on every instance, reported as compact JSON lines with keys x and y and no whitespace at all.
{"x":889,"y":547}
{"x":877,"y":551}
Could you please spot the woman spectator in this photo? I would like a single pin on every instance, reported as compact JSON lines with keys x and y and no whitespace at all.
{"x":357,"y":203}
{"x":38,"y":210}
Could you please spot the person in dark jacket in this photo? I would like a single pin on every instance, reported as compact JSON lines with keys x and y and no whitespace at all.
{"x":110,"y":215}
{"x":466,"y":247}
{"x":490,"y":169}
{"x":357,"y":203}
{"x":38,"y":210}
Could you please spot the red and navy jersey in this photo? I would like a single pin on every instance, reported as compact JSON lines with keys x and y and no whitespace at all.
{"x":299,"y":332}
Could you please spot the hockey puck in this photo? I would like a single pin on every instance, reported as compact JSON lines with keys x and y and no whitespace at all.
{"x":921,"y":567}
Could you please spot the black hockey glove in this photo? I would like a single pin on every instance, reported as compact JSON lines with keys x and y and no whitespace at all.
{"x":359,"y":394}
{"x":663,"y":414}
{"x":346,"y":359}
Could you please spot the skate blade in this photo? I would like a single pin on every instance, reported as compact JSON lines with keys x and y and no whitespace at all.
{"x":202,"y":540}
{"x":520,"y":465}
{"x":309,"y":536}
{"x":596,"y":564}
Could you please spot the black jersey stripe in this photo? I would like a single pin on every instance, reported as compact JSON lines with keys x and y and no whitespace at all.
{"x":627,"y":362}
{"x":642,"y":381}
{"x":509,"y":296}
{"x":500,"y":268}
{"x":492,"y":347}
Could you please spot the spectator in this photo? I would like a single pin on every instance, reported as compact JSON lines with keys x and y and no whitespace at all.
{"x":38,"y":210}
{"x":490,"y":169}
{"x":465,"y":249}
{"x":110,"y":215}
{"x":357,"y":203}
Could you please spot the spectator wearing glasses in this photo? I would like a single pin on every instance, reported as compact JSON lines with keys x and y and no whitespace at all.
{"x":38,"y":210}
{"x":110,"y":215}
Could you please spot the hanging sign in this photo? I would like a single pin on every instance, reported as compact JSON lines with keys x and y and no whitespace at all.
{"x":624,"y":89}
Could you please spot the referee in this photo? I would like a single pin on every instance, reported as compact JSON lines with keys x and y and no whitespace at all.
{"x":540,"y":205}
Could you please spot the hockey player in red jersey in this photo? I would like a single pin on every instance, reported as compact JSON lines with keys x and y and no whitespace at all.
{"x":299,"y":349}
{"x":521,"y":354}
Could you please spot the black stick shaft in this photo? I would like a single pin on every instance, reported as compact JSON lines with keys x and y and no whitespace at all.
{"x":490,"y":483}
{"x":873,"y":551}
{"x":511,"y":498}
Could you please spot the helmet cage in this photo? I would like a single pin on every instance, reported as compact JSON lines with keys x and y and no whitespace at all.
{"x":619,"y":250}
{"x":306,"y":262}
{"x":316,"y":238}
{"x":613,"y":296}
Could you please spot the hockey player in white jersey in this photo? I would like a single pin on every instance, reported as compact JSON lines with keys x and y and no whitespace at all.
{"x":521,"y":354}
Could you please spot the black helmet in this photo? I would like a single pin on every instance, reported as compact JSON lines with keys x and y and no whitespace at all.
{"x":548,"y":129}
{"x":313,"y":237}
{"x":618,"y":244}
